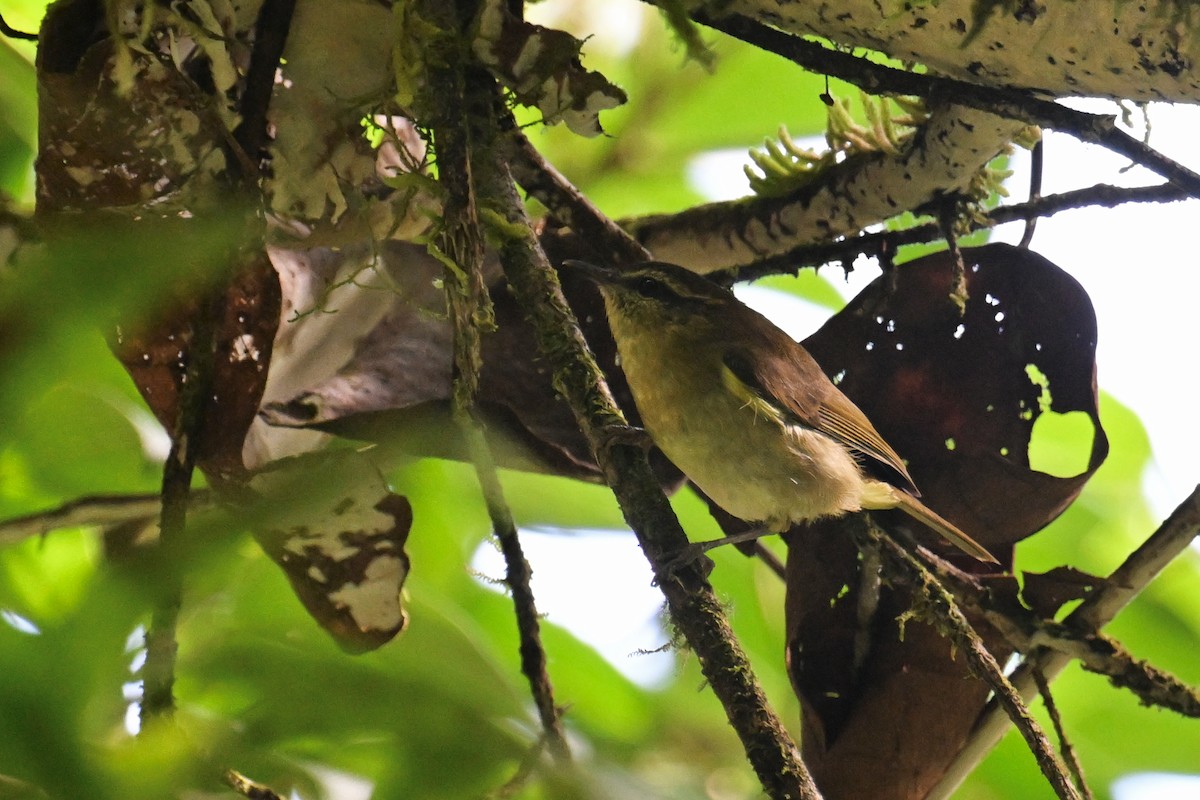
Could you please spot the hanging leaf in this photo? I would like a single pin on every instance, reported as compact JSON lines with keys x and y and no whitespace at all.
{"x":338,"y":534}
{"x":541,"y":67}
{"x":1046,"y":592}
{"x":957,"y":395}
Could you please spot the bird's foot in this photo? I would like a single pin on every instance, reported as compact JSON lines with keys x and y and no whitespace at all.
{"x":692,"y":556}
{"x":698,"y":551}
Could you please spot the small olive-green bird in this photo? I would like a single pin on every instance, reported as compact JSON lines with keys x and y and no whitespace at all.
{"x":744,"y":411}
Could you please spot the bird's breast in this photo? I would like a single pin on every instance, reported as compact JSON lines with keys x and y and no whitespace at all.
{"x":757,"y":466}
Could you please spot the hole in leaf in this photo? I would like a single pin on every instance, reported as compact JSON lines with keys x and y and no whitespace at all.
{"x":1061,"y":444}
{"x":1040,"y":379}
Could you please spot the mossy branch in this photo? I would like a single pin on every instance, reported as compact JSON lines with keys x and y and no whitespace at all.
{"x":937,"y":604}
{"x":1125,"y":583}
{"x":457,"y":132}
{"x":695,"y":609}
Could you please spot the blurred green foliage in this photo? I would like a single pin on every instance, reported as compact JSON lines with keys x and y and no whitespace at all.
{"x":442,"y":712}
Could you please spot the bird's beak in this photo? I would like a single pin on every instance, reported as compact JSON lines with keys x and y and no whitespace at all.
{"x":600,"y":275}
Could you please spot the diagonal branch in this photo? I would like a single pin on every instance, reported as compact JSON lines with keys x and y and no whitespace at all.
{"x":1101,"y":655}
{"x":695,"y":609}
{"x":1123,"y":585}
{"x":950,"y":620}
{"x":1098,"y":129}
{"x":567,"y":204}
{"x":1064,"y":743}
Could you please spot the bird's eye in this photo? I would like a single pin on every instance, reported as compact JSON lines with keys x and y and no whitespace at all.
{"x":653,"y":288}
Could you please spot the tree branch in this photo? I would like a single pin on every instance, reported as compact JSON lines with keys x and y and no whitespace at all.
{"x":567,"y":204}
{"x":1064,"y":744}
{"x":1015,"y":104}
{"x":881,"y":243}
{"x":1099,"y":654}
{"x":93,"y":510}
{"x":462,"y":242}
{"x":158,"y":671}
{"x":949,"y":619}
{"x":1123,"y":585}
{"x":695,"y":609}
{"x":1027,"y":632}
{"x":195,"y":387}
{"x":1153,"y":686}
{"x":945,"y":153}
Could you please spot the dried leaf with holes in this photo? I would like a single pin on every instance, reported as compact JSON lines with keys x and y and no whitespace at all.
{"x":954,"y":395}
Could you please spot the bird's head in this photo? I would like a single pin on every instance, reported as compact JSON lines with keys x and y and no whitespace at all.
{"x":657,"y":295}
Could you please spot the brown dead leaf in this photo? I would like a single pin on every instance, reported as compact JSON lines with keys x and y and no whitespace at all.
{"x":1046,"y":592}
{"x":952,"y":394}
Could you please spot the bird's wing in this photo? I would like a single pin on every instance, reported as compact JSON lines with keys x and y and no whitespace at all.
{"x":812,"y":401}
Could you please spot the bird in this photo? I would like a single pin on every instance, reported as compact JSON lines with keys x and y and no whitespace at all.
{"x":743,"y":409}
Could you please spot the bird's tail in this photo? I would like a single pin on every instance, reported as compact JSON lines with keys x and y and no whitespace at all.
{"x":897,"y":498}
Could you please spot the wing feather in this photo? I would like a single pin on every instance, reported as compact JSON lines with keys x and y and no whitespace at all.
{"x":794,"y":383}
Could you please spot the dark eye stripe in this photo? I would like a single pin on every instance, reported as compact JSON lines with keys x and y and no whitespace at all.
{"x":653,"y":288}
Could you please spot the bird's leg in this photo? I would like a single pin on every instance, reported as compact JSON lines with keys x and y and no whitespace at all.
{"x":751,"y":535}
{"x":698,"y":550}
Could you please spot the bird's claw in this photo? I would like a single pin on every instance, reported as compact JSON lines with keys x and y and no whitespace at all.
{"x":692,"y":556}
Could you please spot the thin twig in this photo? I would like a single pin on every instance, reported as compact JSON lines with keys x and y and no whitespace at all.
{"x":567,"y":204}
{"x":1064,"y":743}
{"x":462,"y":242}
{"x":248,"y":788}
{"x":1037,"y":163}
{"x":1015,"y":104}
{"x":13,"y":33}
{"x":1153,"y":686}
{"x":764,"y":554}
{"x":1101,"y":655}
{"x":1126,"y":582}
{"x":518,"y":577}
{"x":89,"y":511}
{"x":947,"y":219}
{"x":195,"y":389}
{"x":953,"y":624}
{"x":1094,"y":651}
{"x":884,"y":242}
{"x":513,"y":786}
